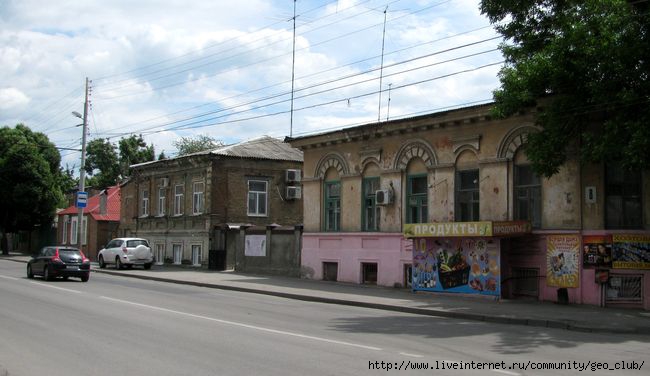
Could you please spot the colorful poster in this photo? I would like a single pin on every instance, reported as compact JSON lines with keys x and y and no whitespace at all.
{"x":562,"y":260}
{"x":597,"y":251}
{"x":631,"y":251}
{"x":458,"y":265}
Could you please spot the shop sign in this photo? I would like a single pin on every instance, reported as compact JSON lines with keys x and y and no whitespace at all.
{"x":447,"y":229}
{"x":511,"y":228}
{"x":631,"y":251}
{"x":597,"y":251}
{"x":562,"y":260}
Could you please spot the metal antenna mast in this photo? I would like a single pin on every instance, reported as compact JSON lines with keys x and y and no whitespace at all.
{"x":293,"y":66}
{"x":381,"y":69}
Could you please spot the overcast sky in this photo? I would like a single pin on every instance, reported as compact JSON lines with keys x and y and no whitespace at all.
{"x":173,"y":68}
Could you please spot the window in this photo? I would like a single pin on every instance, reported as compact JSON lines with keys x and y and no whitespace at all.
{"x":179,"y":193}
{"x":66,"y":229}
{"x":370,"y":216}
{"x":257,"y":194}
{"x":197,"y":197}
{"x":369,"y":273}
{"x":332,"y":206}
{"x":162,"y":195}
{"x":467,"y":196}
{"x":196,"y":255}
{"x":74,"y":228}
{"x":84,"y":230}
{"x":177,"y":253}
{"x":416,"y":199}
{"x":330,"y":271}
{"x":528,"y":196}
{"x":622,"y":197}
{"x":144,"y":203}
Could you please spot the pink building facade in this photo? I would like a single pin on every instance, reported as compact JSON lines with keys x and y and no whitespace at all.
{"x":363,"y":186}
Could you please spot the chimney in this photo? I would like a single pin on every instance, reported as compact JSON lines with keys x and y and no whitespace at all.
{"x":103,"y":199}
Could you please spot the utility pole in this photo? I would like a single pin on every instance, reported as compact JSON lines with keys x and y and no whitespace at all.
{"x":293,"y":67}
{"x":381,"y":68}
{"x":82,"y":171}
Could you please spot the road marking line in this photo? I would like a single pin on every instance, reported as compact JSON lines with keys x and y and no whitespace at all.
{"x":54,"y":287}
{"x":233,"y":323}
{"x":5,"y":277}
{"x":413,"y":355}
{"x":506,"y":372}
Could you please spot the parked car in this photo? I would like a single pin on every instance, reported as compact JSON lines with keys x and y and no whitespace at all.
{"x":127,"y":252}
{"x":59,"y":261}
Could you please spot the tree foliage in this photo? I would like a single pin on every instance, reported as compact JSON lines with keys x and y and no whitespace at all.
{"x":30,"y":180}
{"x":134,"y":150}
{"x":585,"y":65}
{"x":101,"y":163}
{"x":189,"y":145}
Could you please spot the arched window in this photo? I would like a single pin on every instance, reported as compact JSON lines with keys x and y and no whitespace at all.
{"x":370,"y":211}
{"x":332,"y":200}
{"x":466,"y":191}
{"x":417,"y":192}
{"x":527,"y":191}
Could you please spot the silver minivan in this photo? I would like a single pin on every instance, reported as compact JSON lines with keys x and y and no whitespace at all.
{"x":126,"y":252}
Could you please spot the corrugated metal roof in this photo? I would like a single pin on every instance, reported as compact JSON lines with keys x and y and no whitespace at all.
{"x":264,"y":147}
{"x":93,"y":206}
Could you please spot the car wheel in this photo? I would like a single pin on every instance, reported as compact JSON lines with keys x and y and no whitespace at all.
{"x":118,"y":263}
{"x":30,"y":274}
{"x":147,"y":266}
{"x":102,"y":264}
{"x":46,"y":274}
{"x":85,"y":278}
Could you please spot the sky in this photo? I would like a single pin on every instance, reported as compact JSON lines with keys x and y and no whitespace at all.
{"x":170,"y":69}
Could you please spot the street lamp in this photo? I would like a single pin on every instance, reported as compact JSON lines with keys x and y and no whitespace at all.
{"x":82,"y":172}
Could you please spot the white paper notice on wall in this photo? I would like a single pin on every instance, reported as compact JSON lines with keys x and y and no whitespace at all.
{"x":255,"y":245}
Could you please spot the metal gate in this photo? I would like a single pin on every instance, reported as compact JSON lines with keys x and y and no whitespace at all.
{"x":525,"y":282}
{"x":624,"y":288}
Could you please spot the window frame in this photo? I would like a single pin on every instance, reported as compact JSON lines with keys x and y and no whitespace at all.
{"x":179,"y":200}
{"x":198,"y":198}
{"x":422,"y":199}
{"x":66,"y":229}
{"x":162,"y":200}
{"x":74,"y":230}
{"x":336,"y":200}
{"x":624,"y":186}
{"x":459,"y":192}
{"x":369,"y":203}
{"x":533,"y":196}
{"x":257,"y":195}
{"x":144,"y":203}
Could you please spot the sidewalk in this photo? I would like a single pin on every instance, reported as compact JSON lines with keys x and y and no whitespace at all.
{"x":518,"y":312}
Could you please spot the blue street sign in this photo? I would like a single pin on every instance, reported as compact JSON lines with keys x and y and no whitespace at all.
{"x":82,"y":199}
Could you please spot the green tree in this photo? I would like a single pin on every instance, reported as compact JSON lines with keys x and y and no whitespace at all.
{"x":189,"y":145}
{"x":101,"y":163}
{"x":585,"y":65}
{"x":29,"y":180}
{"x":134,"y":150}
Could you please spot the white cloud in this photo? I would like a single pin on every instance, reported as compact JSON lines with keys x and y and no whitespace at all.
{"x":11,"y":98}
{"x":173,"y":66}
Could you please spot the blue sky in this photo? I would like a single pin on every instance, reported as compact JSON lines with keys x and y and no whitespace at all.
{"x":171,"y":69}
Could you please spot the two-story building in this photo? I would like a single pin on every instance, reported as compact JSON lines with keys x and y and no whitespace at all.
{"x":235,"y":207}
{"x":486,"y":223}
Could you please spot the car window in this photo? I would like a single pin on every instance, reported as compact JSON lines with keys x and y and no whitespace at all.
{"x":69,"y":252}
{"x":136,"y":242}
{"x":114,"y":244}
{"x":49,"y":252}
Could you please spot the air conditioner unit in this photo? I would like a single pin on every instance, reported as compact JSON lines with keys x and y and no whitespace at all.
{"x":164,"y":182}
{"x":384,"y":197}
{"x":294,"y":193}
{"x":292,"y":176}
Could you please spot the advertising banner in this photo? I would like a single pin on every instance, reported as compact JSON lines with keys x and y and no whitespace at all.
{"x":457,"y":265}
{"x":631,"y":251}
{"x":597,"y":251}
{"x":255,"y":245}
{"x":562,"y":260}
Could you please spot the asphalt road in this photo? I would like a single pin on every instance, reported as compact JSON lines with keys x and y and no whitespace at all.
{"x":122,"y":326}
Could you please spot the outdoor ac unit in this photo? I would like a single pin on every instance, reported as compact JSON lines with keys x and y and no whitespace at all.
{"x":164,"y":182}
{"x":292,"y":176}
{"x":384,"y":197}
{"x":294,"y":193}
